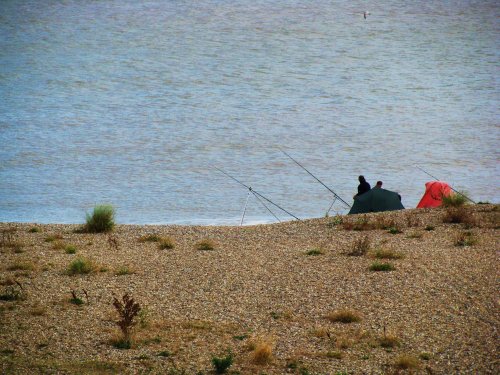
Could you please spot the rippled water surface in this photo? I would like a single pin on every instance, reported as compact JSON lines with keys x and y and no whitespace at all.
{"x":134,"y":103}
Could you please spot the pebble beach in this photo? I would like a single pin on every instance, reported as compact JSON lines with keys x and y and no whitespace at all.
{"x":269,"y":294}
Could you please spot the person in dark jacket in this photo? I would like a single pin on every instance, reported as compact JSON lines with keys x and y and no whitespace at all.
{"x":363,"y":186}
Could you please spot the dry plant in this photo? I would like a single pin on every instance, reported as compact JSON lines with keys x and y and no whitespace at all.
{"x":465,"y":239}
{"x":206,"y":244}
{"x":459,"y":215}
{"x":383,"y":222}
{"x":344,"y":316}
{"x":166,"y":243}
{"x":263,"y":352}
{"x":360,"y":247}
{"x":127,"y":310}
{"x":113,"y":242}
{"x":406,"y":362}
{"x":149,"y":238}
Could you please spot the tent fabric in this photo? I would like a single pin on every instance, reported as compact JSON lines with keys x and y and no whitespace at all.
{"x":376,"y":200}
{"x":434,"y":192}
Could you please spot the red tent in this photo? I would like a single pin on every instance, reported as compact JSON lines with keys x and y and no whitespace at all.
{"x":434,"y":192}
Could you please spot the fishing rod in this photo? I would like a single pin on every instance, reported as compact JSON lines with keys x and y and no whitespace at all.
{"x":437,"y":179}
{"x":258,"y":195}
{"x":317,"y":179}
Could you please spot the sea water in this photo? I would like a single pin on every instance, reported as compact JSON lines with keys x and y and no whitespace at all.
{"x":134,"y":103}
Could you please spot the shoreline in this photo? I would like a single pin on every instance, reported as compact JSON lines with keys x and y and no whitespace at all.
{"x":272,"y":283}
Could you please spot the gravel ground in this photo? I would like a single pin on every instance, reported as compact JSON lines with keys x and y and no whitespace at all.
{"x":261,"y":287}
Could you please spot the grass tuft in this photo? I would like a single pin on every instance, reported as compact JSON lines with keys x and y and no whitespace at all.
{"x":80,"y":266}
{"x":315,"y":252}
{"x":406,"y":362}
{"x":21,"y":266}
{"x":53,"y":237}
{"x":360,"y":247}
{"x":430,"y":227}
{"x":425,"y":356}
{"x":34,"y":230}
{"x":388,"y":341}
{"x":124,"y":270}
{"x":454,"y":200}
{"x":344,"y":316}
{"x":263,"y":353}
{"x":394,"y":230}
{"x":465,"y":239}
{"x":205,"y":245}
{"x":101,"y":220}
{"x":166,"y":243}
{"x":70,"y":249}
{"x":459,"y":215}
{"x":384,"y":267}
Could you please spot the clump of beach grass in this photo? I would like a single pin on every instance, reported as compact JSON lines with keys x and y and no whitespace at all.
{"x":459,"y":215}
{"x":21,"y":266}
{"x":263,"y":352}
{"x":344,"y":316}
{"x":454,"y":200}
{"x":222,"y":364}
{"x":381,"y":267}
{"x":124,"y":270}
{"x":314,"y":252}
{"x":101,"y":220}
{"x":53,"y":237}
{"x":360,"y":247}
{"x":166,"y":243}
{"x":406,"y":362}
{"x":206,"y":244}
{"x":388,"y":341}
{"x":70,"y":249}
{"x":80,"y":266}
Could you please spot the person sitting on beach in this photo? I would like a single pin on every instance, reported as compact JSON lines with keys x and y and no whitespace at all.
{"x":363,"y":186}
{"x":379,"y":185}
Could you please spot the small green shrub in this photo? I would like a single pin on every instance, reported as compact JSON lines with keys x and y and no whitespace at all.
{"x":34,"y":230}
{"x":70,"y":249}
{"x":454,"y":200}
{"x":360,"y":247}
{"x":314,"y":252}
{"x":430,"y":227}
{"x":80,"y":266}
{"x":222,"y":364}
{"x":377,"y":266}
{"x":166,"y":243}
{"x":101,"y":220}
{"x":205,"y":245}
{"x":164,"y":353}
{"x":394,"y":230}
{"x":344,"y":316}
{"x":425,"y":356}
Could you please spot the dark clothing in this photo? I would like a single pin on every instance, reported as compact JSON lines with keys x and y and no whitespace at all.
{"x":363,"y":188}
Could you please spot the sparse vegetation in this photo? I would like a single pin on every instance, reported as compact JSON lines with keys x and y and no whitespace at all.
{"x":205,"y":245}
{"x":21,"y":266}
{"x":168,"y":243}
{"x":127,"y":310}
{"x":406,"y":362}
{"x":415,"y":234}
{"x":34,"y":230}
{"x":53,"y":237}
{"x":430,"y":227}
{"x":124,"y":270}
{"x":425,"y":356}
{"x":58,"y":245}
{"x":344,"y":316}
{"x":263,"y":352}
{"x":75,"y":299}
{"x":388,"y":341}
{"x":394,"y":230}
{"x":149,"y":238}
{"x":314,"y":252}
{"x":70,"y":249}
{"x":80,"y":266}
{"x":360,"y":247}
{"x":101,"y":220}
{"x":459,"y":215}
{"x":221,"y":364}
{"x":13,"y":293}
{"x":465,"y":239}
{"x":335,"y":355}
{"x":384,"y":267}
{"x":454,"y":200}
